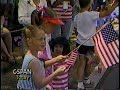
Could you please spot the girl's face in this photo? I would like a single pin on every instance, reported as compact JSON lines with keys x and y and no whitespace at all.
{"x":58,"y":49}
{"x":38,"y":42}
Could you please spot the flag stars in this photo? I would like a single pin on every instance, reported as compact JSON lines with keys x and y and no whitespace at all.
{"x":109,"y":34}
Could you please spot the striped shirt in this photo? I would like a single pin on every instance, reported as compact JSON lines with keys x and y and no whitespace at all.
{"x":29,"y":84}
{"x":62,"y":13}
{"x":61,"y":82}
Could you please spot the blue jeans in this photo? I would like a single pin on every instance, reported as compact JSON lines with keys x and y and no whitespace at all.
{"x":63,"y":30}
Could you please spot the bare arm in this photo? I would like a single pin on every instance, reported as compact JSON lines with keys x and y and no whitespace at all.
{"x":110,"y":9}
{"x":57,"y":59}
{"x":39,"y":80}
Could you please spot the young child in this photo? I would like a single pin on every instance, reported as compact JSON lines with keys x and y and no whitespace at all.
{"x":86,"y":27}
{"x":46,"y":19}
{"x":60,"y":46}
{"x":35,"y":40}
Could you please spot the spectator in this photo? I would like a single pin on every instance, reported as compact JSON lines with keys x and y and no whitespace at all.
{"x":64,"y":11}
{"x":6,"y":44}
{"x":60,"y":46}
{"x":26,"y":7}
{"x":85,"y":25}
{"x":35,"y":40}
{"x":8,"y":14}
{"x":47,"y":21}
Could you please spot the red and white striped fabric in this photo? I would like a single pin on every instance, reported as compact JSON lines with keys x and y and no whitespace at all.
{"x":107,"y":46}
{"x":61,"y":12}
{"x":61,"y":82}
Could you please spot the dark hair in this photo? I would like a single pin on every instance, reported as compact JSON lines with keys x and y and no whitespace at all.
{"x":62,"y":41}
{"x":84,"y":3}
{"x":37,"y":15}
{"x":6,"y":9}
{"x":2,"y":9}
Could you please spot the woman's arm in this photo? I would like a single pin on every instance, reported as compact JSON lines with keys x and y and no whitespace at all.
{"x":37,"y":77}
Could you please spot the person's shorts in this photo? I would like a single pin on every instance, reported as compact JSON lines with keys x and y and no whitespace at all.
{"x":85,"y":49}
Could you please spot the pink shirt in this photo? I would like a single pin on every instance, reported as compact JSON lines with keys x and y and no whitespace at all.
{"x":61,"y":82}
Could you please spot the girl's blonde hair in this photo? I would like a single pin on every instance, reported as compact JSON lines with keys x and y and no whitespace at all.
{"x":30,"y":31}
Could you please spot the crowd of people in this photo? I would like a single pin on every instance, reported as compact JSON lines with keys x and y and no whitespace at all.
{"x":49,"y":26}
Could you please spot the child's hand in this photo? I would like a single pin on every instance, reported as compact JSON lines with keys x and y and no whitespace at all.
{"x":60,"y":58}
{"x":49,"y":87}
{"x":60,"y":70}
{"x":115,"y":2}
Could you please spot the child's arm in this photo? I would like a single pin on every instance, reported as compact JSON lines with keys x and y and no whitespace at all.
{"x":110,"y":9}
{"x":57,"y":59}
{"x":37,"y":77}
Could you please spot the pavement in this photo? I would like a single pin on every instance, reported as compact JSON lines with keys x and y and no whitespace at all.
{"x":108,"y":79}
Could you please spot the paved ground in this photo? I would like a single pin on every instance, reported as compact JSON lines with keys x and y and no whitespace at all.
{"x":110,"y":80}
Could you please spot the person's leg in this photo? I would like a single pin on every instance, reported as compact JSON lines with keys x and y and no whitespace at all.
{"x":8,"y":40}
{"x":66,"y":29}
{"x":4,"y":49}
{"x":8,"y":43}
{"x":81,"y":68}
{"x":80,"y":72}
{"x":90,"y":59}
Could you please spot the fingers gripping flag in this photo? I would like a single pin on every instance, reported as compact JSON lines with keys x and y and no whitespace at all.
{"x":107,"y":45}
{"x":71,"y":60}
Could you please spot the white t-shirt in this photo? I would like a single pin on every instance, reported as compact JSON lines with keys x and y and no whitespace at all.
{"x":25,"y":8}
{"x":85,"y":23}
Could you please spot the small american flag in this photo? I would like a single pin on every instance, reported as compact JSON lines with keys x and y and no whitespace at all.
{"x":61,"y":81}
{"x":71,"y":60}
{"x":107,"y":45}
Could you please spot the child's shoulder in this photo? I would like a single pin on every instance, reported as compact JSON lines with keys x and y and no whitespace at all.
{"x":87,"y":13}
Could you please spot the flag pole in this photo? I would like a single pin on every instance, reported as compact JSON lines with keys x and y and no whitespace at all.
{"x":89,"y":38}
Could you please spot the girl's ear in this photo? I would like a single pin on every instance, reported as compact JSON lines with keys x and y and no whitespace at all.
{"x":29,"y":41}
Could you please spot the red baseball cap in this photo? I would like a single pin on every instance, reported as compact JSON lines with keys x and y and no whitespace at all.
{"x":53,"y":20}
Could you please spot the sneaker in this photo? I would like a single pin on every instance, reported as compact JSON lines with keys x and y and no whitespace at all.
{"x":87,"y":81}
{"x":81,"y":86}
